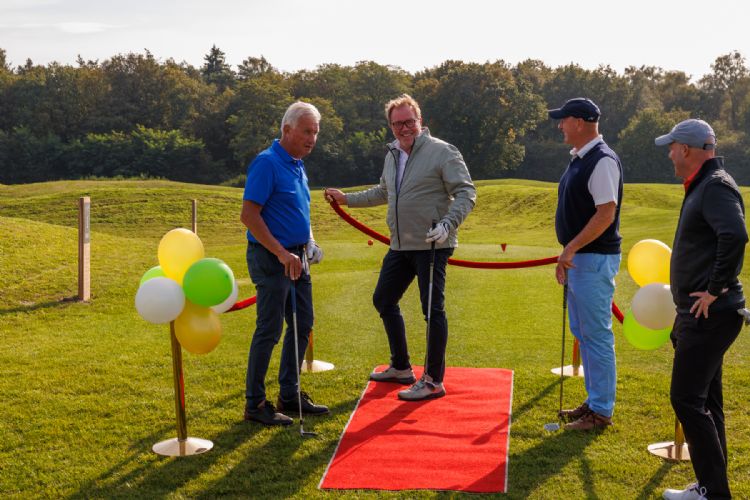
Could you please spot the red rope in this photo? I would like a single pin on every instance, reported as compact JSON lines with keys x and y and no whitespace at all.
{"x":456,"y":262}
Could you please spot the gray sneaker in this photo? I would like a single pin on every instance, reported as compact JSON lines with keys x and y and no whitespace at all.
{"x":424,"y":389}
{"x":393,"y":375}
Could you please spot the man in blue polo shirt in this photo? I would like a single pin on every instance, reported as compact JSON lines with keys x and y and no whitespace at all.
{"x":587,"y":223}
{"x":276,"y":212}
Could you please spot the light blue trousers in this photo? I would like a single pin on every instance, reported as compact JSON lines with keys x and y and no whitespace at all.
{"x":591,"y":287}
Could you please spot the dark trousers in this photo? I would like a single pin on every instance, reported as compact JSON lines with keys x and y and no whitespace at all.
{"x":398,"y":271}
{"x":696,"y":392}
{"x":273,"y":307}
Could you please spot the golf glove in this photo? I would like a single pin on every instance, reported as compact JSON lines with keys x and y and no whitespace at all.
{"x":314,"y":252}
{"x":439,"y":233}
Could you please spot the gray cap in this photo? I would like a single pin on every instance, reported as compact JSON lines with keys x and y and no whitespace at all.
{"x":694,"y":133}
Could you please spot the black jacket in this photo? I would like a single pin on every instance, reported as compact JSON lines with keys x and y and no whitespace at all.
{"x":709,"y":244}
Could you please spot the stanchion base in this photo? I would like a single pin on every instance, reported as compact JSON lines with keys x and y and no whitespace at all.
{"x":569,"y":371}
{"x":178,"y":448}
{"x":316,"y":366}
{"x":668,"y":451}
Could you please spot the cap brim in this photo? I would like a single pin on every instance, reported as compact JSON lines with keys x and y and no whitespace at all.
{"x":556,"y":114}
{"x":664,"y":140}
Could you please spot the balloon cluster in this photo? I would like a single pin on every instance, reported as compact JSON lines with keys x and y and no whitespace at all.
{"x":649,"y":322}
{"x":188,"y":289}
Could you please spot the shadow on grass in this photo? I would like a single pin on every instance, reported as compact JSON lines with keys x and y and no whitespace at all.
{"x":271,"y":466}
{"x":41,"y":305}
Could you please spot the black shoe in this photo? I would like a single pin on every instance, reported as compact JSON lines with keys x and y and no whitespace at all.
{"x":266,"y":414}
{"x":308,"y":407}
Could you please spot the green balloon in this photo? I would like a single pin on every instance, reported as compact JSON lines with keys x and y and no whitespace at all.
{"x":208,"y":282}
{"x":641,"y":337}
{"x":154,"y":272}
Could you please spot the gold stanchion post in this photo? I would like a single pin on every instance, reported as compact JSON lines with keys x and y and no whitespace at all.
{"x":676,"y":450}
{"x":575,"y":369}
{"x":182,"y":445}
{"x":311,"y":365}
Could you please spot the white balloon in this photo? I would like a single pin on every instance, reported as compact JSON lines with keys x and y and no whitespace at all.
{"x":160,"y":300}
{"x":231,"y":300}
{"x":653,"y":306}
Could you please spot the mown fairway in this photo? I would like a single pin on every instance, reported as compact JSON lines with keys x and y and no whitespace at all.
{"x":87,"y":388}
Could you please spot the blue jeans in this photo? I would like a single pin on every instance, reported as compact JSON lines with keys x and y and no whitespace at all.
{"x":273,"y":306}
{"x":591,"y":287}
{"x":398,"y":271}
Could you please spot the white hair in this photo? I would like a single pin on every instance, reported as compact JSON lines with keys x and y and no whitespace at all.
{"x":296,"y":111}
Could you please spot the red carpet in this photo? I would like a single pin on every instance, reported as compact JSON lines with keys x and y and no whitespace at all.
{"x":458,"y":442}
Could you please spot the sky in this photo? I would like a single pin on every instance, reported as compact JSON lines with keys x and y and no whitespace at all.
{"x":685,"y":35}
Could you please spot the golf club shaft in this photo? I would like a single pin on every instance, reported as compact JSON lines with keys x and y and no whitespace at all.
{"x":296,"y":348}
{"x":429,"y":303}
{"x":562,"y":351}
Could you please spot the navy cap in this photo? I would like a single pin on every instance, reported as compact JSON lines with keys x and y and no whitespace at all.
{"x":580,"y":107}
{"x":694,"y":133}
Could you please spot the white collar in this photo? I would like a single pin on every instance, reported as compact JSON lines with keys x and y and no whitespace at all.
{"x":587,"y":147}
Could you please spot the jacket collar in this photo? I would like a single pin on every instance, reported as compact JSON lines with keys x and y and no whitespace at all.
{"x":708,"y":166}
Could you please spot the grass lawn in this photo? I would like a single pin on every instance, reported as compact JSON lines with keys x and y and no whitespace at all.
{"x":87,"y":388}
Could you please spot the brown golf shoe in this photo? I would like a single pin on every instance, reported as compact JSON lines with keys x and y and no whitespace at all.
{"x":575,"y":413}
{"x":591,"y":420}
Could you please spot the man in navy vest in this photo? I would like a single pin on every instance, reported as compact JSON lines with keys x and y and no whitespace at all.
{"x":707,"y":255}
{"x":587,"y":223}
{"x":276,"y":212}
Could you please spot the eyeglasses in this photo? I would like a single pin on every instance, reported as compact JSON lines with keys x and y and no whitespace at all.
{"x":410,"y":123}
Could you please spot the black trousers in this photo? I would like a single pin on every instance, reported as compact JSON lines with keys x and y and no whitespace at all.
{"x":696,"y":392}
{"x":398,"y":271}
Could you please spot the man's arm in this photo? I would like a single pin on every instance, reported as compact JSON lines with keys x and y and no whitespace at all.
{"x":724,"y":213}
{"x":252,"y":219}
{"x":597,"y":224}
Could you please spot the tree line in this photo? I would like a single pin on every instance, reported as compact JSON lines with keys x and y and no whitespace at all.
{"x":135,"y":116}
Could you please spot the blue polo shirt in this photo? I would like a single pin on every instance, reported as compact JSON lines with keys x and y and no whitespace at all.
{"x":278,"y":182}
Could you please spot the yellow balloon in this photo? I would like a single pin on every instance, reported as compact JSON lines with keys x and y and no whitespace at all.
{"x":648,"y":262}
{"x":198,"y":328}
{"x":178,"y":250}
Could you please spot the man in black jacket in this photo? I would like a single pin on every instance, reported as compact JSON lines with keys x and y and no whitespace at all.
{"x":707,"y":256}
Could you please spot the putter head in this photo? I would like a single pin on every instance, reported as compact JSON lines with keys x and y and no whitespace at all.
{"x":552,"y":427}
{"x":745,"y":315}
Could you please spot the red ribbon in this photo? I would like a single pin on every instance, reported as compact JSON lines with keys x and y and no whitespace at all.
{"x":455,"y":262}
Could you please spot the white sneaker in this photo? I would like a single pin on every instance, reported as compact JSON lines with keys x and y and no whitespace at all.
{"x":691,"y":492}
{"x":393,"y":375}
{"x":425,"y":388}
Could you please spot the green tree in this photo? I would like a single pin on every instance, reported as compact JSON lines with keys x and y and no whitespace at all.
{"x":260,"y":104}
{"x":254,"y":66}
{"x":642,"y":161}
{"x":482,"y":110}
{"x":216,"y":71}
{"x":725,"y":89}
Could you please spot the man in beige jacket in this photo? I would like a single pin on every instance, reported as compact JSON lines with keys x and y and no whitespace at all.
{"x":424,"y":182}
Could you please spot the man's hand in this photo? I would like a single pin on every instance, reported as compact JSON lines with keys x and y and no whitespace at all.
{"x":314,"y":252}
{"x":438,"y":234}
{"x":704,"y":301}
{"x":332,"y":194}
{"x":564,"y":262}
{"x":292,"y":264}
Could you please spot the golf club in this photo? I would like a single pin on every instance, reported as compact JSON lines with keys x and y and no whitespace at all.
{"x":297,"y":361}
{"x":555,"y":426}
{"x":429,"y":302}
{"x":745,"y":315}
